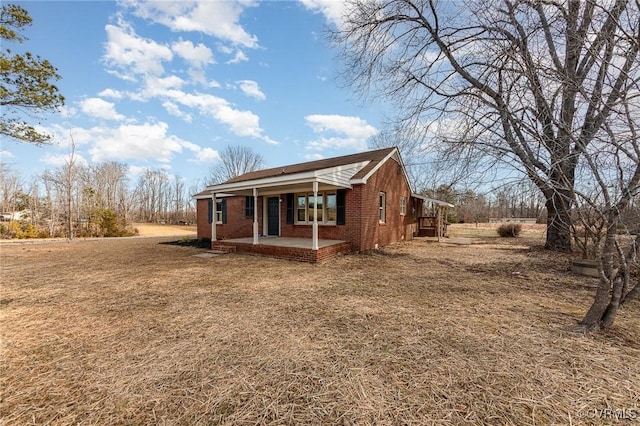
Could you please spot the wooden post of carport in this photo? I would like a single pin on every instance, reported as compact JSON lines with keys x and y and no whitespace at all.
{"x":442,"y":217}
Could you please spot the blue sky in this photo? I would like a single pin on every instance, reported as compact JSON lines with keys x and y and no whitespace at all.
{"x":170,"y":84}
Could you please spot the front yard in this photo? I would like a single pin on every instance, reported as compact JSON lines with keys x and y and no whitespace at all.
{"x":137,"y":332}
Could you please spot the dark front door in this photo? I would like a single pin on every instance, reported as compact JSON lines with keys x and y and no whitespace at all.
{"x":273,"y":216}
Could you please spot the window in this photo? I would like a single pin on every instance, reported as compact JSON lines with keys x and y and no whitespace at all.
{"x":248,"y":208}
{"x":331,"y":208}
{"x":327,"y":208}
{"x":382,"y":205}
{"x":302,"y":208}
{"x":403,"y":206}
{"x":219,"y":209}
{"x":312,"y":203}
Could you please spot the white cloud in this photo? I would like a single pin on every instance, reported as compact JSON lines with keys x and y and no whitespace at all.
{"x":158,"y":87}
{"x":59,"y":160}
{"x":61,"y":136}
{"x":6,"y":154}
{"x":144,"y":142}
{"x":148,"y":141}
{"x":99,"y":108}
{"x":323,"y":143}
{"x":67,"y":112}
{"x":239,"y":57}
{"x":339,"y":132}
{"x":251,"y":88}
{"x":133,"y":54}
{"x":175,"y":110}
{"x":349,"y":125}
{"x":135,"y":171}
{"x":240,"y":123}
{"x":332,"y":10}
{"x":202,"y":155}
{"x":219,"y":19}
{"x":197,"y":56}
{"x":111,"y":93}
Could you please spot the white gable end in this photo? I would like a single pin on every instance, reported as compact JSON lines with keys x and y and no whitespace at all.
{"x":340,"y":175}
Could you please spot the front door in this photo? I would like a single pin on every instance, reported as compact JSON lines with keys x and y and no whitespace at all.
{"x":273,"y":216}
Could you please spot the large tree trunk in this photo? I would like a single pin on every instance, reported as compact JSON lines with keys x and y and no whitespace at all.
{"x":558,"y":223}
{"x":594,"y":317}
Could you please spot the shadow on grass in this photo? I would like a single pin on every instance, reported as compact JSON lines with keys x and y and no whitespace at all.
{"x":190,"y":242}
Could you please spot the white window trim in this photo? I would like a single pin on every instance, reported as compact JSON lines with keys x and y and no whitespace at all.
{"x":382,"y":208}
{"x":307,"y":209}
{"x":403,"y":206}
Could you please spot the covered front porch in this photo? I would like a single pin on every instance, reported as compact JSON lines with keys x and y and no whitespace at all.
{"x":301,"y":211}
{"x":299,"y":249}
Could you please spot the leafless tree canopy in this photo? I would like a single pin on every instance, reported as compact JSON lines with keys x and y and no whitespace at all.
{"x":235,"y":161}
{"x":533,"y":85}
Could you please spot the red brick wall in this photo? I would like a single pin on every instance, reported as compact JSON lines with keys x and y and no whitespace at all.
{"x":237,"y":226}
{"x":396,"y":227}
{"x":202,"y":220}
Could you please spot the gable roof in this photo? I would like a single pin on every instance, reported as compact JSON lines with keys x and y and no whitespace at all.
{"x":343,"y":171}
{"x":372,"y":157}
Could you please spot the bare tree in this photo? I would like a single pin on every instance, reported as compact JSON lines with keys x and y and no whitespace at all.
{"x":235,"y":161}
{"x":10,"y":186}
{"x":65,"y":179}
{"x":153,"y":195}
{"x":529,"y":85}
{"x":613,"y":175}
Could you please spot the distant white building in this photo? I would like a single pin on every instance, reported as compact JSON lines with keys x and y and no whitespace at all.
{"x":21,"y":215}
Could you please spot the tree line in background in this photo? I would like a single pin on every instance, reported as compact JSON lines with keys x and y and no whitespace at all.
{"x":90,"y":200}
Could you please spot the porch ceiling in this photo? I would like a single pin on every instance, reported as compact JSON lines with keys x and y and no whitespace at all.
{"x":280,"y":189}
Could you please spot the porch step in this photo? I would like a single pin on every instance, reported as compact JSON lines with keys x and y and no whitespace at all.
{"x":222,"y":249}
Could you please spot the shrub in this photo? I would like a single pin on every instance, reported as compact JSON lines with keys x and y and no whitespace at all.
{"x":509,"y":229}
{"x":110,"y":227}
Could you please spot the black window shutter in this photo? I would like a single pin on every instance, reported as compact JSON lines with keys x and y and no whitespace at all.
{"x":248,"y":211}
{"x":224,"y":211}
{"x":210,"y":212}
{"x":289,"y":209}
{"x":341,"y":206}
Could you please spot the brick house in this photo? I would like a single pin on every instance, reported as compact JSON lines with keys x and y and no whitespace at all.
{"x":312,"y":211}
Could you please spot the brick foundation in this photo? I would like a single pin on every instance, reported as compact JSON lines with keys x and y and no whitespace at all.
{"x":288,"y":253}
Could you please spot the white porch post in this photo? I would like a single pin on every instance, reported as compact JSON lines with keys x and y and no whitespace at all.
{"x":213,"y":216}
{"x":255,"y":216}
{"x":314,"y":237}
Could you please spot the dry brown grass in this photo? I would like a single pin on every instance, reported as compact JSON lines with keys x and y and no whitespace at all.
{"x":158,"y":230}
{"x":137,"y":332}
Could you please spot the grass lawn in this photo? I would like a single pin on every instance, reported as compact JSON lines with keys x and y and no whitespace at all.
{"x":136,"y":332}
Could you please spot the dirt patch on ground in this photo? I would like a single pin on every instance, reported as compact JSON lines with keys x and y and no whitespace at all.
{"x":137,"y":332}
